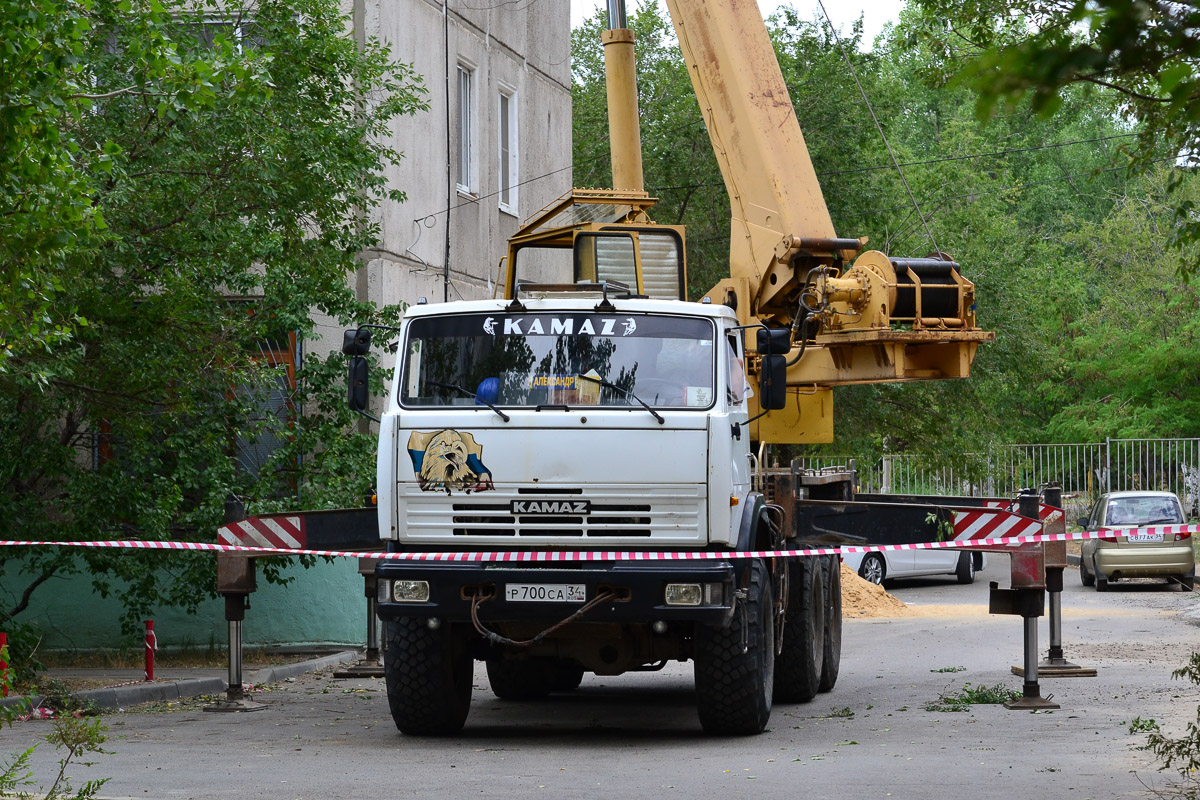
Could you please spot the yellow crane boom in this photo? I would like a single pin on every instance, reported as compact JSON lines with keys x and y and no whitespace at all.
{"x":853,"y":316}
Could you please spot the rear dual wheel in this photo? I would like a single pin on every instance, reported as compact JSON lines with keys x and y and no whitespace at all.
{"x":832,"y":661}
{"x":800,"y":663}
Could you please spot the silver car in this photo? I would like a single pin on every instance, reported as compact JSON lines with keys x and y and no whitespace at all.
{"x":1137,"y":555}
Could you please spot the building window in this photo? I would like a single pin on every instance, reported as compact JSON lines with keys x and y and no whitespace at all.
{"x":272,"y":397}
{"x":507,"y":119}
{"x":466,"y":129}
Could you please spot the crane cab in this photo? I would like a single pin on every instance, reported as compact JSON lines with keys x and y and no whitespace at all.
{"x":598,"y":236}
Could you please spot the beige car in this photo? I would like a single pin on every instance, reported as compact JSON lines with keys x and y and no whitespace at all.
{"x":1141,"y":554}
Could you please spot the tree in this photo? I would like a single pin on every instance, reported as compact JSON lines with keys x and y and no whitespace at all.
{"x":1131,"y":330}
{"x":184,"y":186}
{"x":1143,"y":51}
{"x":1007,"y":198}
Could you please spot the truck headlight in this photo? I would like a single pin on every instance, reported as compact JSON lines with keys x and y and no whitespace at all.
{"x":695,"y":594}
{"x":410,"y":591}
{"x":684,"y":594}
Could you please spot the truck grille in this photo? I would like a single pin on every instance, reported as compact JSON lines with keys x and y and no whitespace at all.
{"x":674,"y":513}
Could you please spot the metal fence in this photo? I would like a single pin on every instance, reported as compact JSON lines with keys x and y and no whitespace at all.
{"x":1084,"y":471}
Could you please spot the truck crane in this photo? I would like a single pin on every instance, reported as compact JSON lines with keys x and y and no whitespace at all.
{"x":585,"y":445}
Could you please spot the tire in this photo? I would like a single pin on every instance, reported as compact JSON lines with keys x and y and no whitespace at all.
{"x":965,"y":571}
{"x":520,"y":679}
{"x":873,"y":568}
{"x":831,"y":661}
{"x":800,"y":663}
{"x":428,"y":675}
{"x":734,"y":687}
{"x":1187,"y":583}
{"x":1101,"y":583}
{"x":1085,"y":577}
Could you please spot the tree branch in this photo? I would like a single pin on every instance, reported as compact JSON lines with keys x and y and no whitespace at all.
{"x":38,"y":581}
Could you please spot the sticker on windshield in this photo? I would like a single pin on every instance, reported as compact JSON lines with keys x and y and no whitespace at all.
{"x":446,"y":460}
{"x":553,"y":381}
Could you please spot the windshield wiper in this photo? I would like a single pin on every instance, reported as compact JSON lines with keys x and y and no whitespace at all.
{"x":627,"y":393}
{"x":478,"y":399}
{"x":1169,"y":520}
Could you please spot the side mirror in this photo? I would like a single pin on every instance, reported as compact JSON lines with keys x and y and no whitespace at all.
{"x":774,"y":341}
{"x":358,"y":394}
{"x":356,"y":342}
{"x":1082,"y":522}
{"x":772,"y":382}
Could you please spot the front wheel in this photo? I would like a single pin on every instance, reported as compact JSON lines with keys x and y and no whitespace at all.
{"x":428,"y":673}
{"x":872,"y":568}
{"x":734,"y":683}
{"x":965,"y":572}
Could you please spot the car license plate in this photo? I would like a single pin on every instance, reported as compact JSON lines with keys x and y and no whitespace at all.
{"x":544,"y":592}
{"x":1145,"y":537}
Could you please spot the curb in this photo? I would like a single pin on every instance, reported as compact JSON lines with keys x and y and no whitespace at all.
{"x":121,"y":696}
{"x":276,"y":674}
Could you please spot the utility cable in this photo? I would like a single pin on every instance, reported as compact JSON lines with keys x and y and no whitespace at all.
{"x":878,"y":126}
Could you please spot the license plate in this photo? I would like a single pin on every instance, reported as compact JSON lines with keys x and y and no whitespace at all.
{"x":544,"y":592}
{"x":1145,"y":537}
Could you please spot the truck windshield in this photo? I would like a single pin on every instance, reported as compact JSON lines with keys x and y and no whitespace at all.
{"x":563,"y":359}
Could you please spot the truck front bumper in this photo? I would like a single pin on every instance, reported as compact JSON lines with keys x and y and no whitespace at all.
{"x":640,"y":586}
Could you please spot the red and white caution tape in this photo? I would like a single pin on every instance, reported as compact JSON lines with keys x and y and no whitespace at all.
{"x":539,"y":556}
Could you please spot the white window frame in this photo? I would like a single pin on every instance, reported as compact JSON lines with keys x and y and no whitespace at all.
{"x":508,"y":159}
{"x":466,"y":158}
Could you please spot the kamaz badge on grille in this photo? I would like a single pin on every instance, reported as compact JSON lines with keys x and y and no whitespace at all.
{"x":550,"y":507}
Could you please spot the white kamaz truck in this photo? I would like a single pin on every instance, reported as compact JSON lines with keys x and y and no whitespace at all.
{"x":595,"y":418}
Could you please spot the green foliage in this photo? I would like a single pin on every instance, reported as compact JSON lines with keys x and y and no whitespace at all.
{"x":1037,"y":51}
{"x":1129,"y":325}
{"x":1139,"y":725}
{"x":185,"y":186}
{"x":973,"y":695}
{"x":58,"y":697}
{"x":1180,"y":754}
{"x":72,"y":733}
{"x":23,"y":643}
{"x":1013,"y":200}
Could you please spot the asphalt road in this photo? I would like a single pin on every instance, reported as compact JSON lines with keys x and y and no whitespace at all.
{"x":637,"y":735}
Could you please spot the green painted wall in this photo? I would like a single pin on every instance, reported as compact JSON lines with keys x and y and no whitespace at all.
{"x":323,"y":605}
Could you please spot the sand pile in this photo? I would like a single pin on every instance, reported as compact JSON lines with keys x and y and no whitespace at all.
{"x":864,"y":599}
